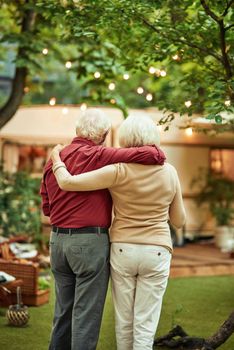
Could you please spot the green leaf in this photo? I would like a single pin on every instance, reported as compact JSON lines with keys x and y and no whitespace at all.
{"x":218,"y":119}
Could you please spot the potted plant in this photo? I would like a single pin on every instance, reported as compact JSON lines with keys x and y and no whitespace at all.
{"x":218,"y":192}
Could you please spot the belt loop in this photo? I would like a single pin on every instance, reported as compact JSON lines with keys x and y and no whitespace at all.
{"x":57,"y":229}
{"x":70,"y":231}
{"x":99,"y":231}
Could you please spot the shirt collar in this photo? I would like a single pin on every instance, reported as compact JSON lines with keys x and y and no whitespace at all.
{"x":83,"y":141}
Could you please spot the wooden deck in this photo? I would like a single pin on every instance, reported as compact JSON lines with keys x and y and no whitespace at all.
{"x":200,"y":260}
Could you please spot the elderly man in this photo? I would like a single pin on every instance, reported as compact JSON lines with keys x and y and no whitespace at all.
{"x":79,"y":243}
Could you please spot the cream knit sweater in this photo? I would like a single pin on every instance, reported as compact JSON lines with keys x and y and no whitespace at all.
{"x":145,"y":197}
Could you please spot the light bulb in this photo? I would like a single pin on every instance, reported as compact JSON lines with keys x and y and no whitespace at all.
{"x":52,"y":101}
{"x":227,"y":103}
{"x":111,"y":86}
{"x":149,"y":97}
{"x":188,"y":103}
{"x":45,"y":51}
{"x":68,"y":64}
{"x":152,"y":70}
{"x":65,"y":110}
{"x":126,"y":76}
{"x":189,"y":131}
{"x":175,"y":57}
{"x":97,"y":75}
{"x":140,"y":90}
{"x":163,"y":73}
{"x":83,"y":107}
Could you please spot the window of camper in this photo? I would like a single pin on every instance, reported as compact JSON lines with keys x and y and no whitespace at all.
{"x":222,"y":162}
{"x":32,"y":159}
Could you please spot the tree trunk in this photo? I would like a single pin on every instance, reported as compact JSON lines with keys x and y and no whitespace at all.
{"x":177,"y":338}
{"x":17,"y":93}
{"x":18,"y":83}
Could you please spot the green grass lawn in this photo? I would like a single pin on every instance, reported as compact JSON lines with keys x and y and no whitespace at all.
{"x":199,"y":304}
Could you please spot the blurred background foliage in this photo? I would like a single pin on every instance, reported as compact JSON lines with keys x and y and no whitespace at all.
{"x":179,"y":52}
{"x":20,"y":212}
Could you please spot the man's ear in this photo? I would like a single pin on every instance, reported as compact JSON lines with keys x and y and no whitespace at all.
{"x":104,"y":137}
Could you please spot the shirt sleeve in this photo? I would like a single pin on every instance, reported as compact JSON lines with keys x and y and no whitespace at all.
{"x":45,"y":199}
{"x":147,"y":155}
{"x":176,"y":211}
{"x":90,"y":181}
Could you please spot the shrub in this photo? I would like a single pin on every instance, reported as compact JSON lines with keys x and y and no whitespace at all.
{"x":217,"y":191}
{"x":19,"y":205}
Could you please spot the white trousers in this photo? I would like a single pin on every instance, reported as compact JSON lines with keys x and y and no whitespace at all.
{"x":139,"y":278}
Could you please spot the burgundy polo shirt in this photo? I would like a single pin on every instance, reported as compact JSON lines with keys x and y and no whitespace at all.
{"x":91,"y":208}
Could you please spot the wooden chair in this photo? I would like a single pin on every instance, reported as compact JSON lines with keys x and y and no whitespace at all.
{"x":5,"y":251}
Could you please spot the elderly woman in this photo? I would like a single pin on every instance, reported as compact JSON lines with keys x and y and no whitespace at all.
{"x":144,"y":199}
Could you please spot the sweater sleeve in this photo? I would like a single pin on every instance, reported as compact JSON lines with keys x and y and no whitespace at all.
{"x":176,"y":210}
{"x":147,"y":155}
{"x":90,"y":181}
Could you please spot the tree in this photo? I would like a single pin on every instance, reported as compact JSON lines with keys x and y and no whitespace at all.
{"x":26,"y":29}
{"x":177,"y":338}
{"x":189,"y":40}
{"x":188,"y":45}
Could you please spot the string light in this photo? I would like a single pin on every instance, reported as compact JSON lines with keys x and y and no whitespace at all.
{"x":163,"y":73}
{"x":188,"y":103}
{"x":126,"y":76}
{"x":149,"y":97}
{"x":97,"y":75}
{"x":140,"y":90}
{"x":52,"y":101}
{"x":83,"y":107}
{"x":175,"y":57}
{"x":152,"y":70}
{"x":45,"y":51}
{"x":189,"y":131}
{"x":111,"y":86}
{"x":68,"y":64}
{"x":227,"y":103}
{"x":65,"y":110}
{"x":113,"y":101}
{"x":26,"y":89}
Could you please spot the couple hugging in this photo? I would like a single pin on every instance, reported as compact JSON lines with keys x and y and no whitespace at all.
{"x":82,"y":183}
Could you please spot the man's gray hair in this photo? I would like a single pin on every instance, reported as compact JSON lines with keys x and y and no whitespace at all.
{"x":138,"y":130}
{"x":93,"y":125}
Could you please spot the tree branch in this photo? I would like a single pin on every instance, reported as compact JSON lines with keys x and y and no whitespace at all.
{"x":18,"y":83}
{"x":229,"y":4}
{"x":222,"y":30}
{"x":225,"y":58}
{"x":177,"y":338}
{"x":182,"y":41}
{"x":209,"y":12}
{"x":223,"y":333}
{"x":228,"y":27}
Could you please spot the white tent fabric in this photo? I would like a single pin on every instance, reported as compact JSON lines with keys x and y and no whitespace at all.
{"x":45,"y":125}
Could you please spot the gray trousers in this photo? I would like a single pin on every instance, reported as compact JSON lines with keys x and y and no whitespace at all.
{"x":80,"y":265}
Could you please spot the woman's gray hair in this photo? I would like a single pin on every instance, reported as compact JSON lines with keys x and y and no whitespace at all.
{"x":138,"y":130}
{"x":93,"y":125}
